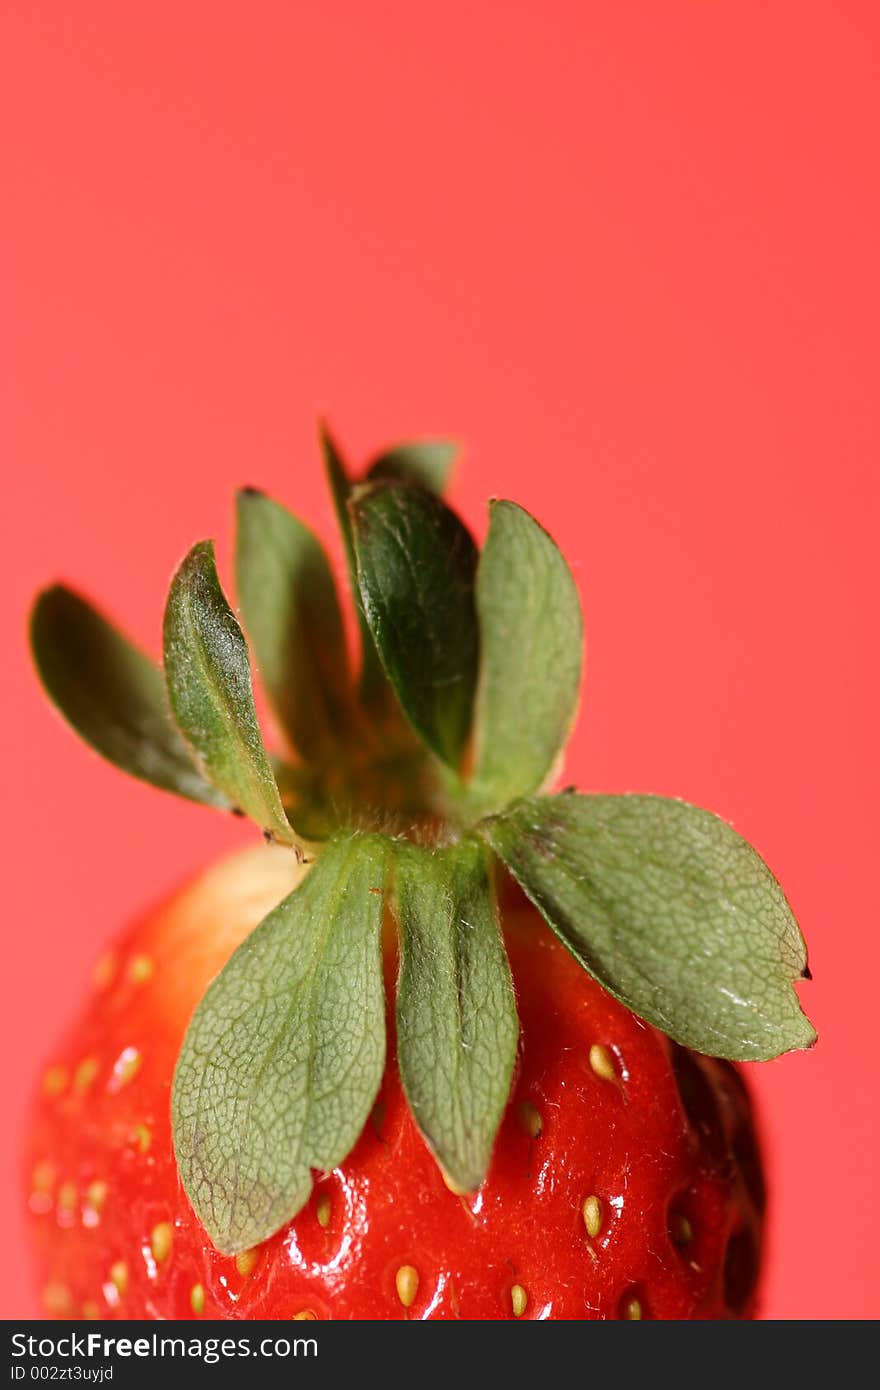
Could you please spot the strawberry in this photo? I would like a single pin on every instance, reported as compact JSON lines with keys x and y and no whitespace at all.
{"x":546,"y":1122}
{"x":624,"y":1179}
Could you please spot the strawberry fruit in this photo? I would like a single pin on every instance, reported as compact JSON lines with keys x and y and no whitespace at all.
{"x":548,"y":1123}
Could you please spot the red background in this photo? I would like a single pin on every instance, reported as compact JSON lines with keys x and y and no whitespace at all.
{"x":628,"y":254}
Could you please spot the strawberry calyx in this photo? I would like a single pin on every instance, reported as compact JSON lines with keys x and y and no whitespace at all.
{"x":412,"y":786}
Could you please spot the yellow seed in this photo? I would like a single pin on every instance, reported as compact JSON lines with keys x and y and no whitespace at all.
{"x":67,"y":1195}
{"x":57,"y":1299}
{"x":142,"y":1136}
{"x":519,"y":1299}
{"x":680,"y":1228}
{"x":197,"y":1299}
{"x":54,"y":1081}
{"x":125,"y":1068}
{"x":85,"y":1073}
{"x":246,"y":1262}
{"x":530,"y":1119}
{"x":407,"y":1282}
{"x":161,"y":1241}
{"x":97,"y":1193}
{"x":602,"y":1063}
{"x":305,"y":1316}
{"x":119,"y":1277}
{"x":140,"y":969}
{"x":44,"y":1177}
{"x":90,"y":1311}
{"x":322,"y":1209}
{"x":632,"y":1309}
{"x":103,"y":971}
{"x":592,"y":1210}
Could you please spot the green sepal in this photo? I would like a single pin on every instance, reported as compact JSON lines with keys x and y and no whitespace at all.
{"x":457,"y":1026}
{"x":670,"y":910}
{"x":424,"y":462}
{"x":531,"y":637}
{"x":374,"y":690}
{"x":292,"y":617}
{"x":285,"y":1054}
{"x":416,"y":568}
{"x":208,"y":673}
{"x":112,"y":695}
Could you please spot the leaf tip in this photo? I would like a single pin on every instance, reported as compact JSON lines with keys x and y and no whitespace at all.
{"x":46,"y":599}
{"x":50,"y":590}
{"x":327,"y":441}
{"x":462,"y":1183}
{"x":41,"y":599}
{"x":200,"y":559}
{"x":808,"y":1035}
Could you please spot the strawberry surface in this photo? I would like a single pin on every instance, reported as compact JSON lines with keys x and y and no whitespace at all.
{"x":624,"y":1182}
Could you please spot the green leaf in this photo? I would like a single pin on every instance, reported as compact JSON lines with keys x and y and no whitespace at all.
{"x":426,"y":463}
{"x":112,"y":695}
{"x":416,"y":566}
{"x":209,"y":688}
{"x":340,"y":490}
{"x":670,"y":910}
{"x":284,"y":1056}
{"x":291,"y":613}
{"x":374,"y":689}
{"x":531,"y":639}
{"x":457,"y":1027}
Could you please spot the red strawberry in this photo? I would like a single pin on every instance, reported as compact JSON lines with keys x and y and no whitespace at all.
{"x":624,"y":1182}
{"x":225,"y":1134}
